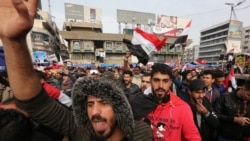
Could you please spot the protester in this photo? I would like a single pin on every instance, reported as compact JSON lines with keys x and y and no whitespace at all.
{"x":233,"y":112}
{"x":170,"y":117}
{"x":204,"y":117}
{"x":145,"y":81}
{"x":101,"y":110}
{"x":137,"y":75}
{"x":219,"y":77}
{"x":212,"y":94}
{"x":128,"y":87}
{"x":182,"y":86}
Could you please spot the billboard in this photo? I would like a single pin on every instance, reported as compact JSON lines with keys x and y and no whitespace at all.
{"x":134,"y":17}
{"x":234,"y":36}
{"x":235,"y":30}
{"x":170,"y":25}
{"x":73,"y":11}
{"x":92,"y":14}
{"x":233,"y":45}
{"x":40,"y":57}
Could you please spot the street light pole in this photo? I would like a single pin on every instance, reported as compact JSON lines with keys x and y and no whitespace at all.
{"x":232,"y":9}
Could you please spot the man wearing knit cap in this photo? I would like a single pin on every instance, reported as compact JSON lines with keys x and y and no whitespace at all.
{"x":101,"y":110}
{"x":205,"y":119}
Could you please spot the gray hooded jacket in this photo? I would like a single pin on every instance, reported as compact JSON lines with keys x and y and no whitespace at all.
{"x":78,"y":127}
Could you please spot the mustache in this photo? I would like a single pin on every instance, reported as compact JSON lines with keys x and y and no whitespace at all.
{"x":160,"y":89}
{"x":97,"y":118}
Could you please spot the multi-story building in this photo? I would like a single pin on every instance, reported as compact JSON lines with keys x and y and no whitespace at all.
{"x":212,"y":42}
{"x":88,"y":44}
{"x":190,"y":54}
{"x":246,"y":40}
{"x":45,"y":37}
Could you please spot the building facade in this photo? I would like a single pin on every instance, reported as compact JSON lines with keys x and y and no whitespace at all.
{"x":44,"y":37}
{"x":190,"y":54}
{"x":212,"y":42}
{"x":246,"y":40}
{"x":88,"y":45}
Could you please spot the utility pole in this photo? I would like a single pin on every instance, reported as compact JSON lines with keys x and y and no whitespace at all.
{"x":49,"y":7}
{"x":232,"y":5}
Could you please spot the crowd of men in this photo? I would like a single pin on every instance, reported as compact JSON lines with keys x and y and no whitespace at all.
{"x":113,"y":105}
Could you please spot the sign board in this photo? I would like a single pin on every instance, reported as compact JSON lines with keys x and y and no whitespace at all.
{"x":170,"y":25}
{"x":40,"y":57}
{"x":52,"y":58}
{"x":135,"y":17}
{"x":73,"y":11}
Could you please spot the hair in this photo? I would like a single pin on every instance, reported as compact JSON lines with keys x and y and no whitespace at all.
{"x":146,"y":74}
{"x":14,"y":126}
{"x":137,"y":67}
{"x":247,"y":85}
{"x":185,"y":73}
{"x":218,"y":73}
{"x":208,"y":72}
{"x":162,"y":68}
{"x":128,"y":72}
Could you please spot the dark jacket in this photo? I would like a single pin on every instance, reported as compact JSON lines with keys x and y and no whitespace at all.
{"x":78,"y":127}
{"x":208,"y":123}
{"x":226,"y":109}
{"x":134,"y":89}
{"x":182,"y":89}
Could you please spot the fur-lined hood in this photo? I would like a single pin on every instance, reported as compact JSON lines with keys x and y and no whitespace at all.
{"x":106,"y":90}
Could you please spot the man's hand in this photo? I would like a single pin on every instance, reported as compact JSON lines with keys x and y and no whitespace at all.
{"x":243,"y":121}
{"x":200,"y":108}
{"x":128,"y":54}
{"x":17,"y":17}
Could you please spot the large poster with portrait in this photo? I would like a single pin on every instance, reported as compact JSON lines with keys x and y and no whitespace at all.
{"x":76,"y":46}
{"x":170,"y":25}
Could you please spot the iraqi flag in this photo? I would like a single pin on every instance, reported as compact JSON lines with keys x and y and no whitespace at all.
{"x":143,"y":45}
{"x":230,"y":78}
{"x":183,"y":36}
{"x":200,"y":61}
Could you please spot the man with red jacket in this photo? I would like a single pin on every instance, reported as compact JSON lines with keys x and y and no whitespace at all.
{"x":170,"y":117}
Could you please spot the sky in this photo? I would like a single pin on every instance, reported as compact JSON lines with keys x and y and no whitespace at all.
{"x":203,"y":13}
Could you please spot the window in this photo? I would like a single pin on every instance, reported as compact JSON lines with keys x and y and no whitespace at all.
{"x":76,"y":46}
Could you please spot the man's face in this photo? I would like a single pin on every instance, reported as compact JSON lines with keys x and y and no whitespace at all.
{"x":193,"y":73}
{"x":207,"y":78}
{"x":245,"y":94}
{"x":189,"y":77}
{"x":127,"y":79}
{"x":116,"y":75}
{"x":101,"y":116}
{"x":145,"y":82}
{"x":160,"y":85}
{"x":219,"y":81}
{"x":197,"y":96}
{"x":137,"y":71}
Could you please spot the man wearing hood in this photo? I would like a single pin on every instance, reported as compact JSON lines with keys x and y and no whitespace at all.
{"x":101,"y":110}
{"x":169,"y":117}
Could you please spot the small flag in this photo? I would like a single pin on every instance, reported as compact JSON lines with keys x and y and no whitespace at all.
{"x":200,"y":61}
{"x":183,"y":36}
{"x":230,"y":77}
{"x":184,"y":68}
{"x":143,"y":45}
